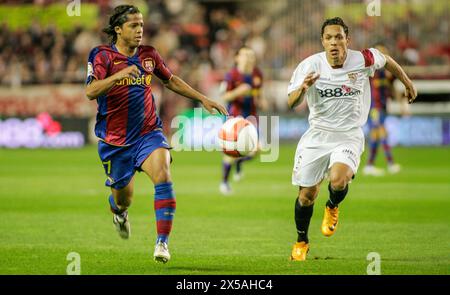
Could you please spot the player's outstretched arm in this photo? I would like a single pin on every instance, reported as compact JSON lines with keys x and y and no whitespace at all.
{"x":98,"y":87}
{"x":241,"y":90}
{"x":393,"y":67}
{"x":177,"y":85}
{"x":296,"y":97}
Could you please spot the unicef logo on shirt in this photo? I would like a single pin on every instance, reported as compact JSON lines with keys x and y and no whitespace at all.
{"x":142,"y":80}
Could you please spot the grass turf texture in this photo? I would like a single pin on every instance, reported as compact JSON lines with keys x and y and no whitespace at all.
{"x":53,"y":202}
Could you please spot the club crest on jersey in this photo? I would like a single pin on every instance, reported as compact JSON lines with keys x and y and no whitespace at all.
{"x":352,"y":77}
{"x":148,"y":64}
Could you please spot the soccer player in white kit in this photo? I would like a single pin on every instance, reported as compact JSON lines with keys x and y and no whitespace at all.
{"x":336,"y":86}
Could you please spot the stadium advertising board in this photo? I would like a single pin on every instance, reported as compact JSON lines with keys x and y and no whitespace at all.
{"x":43,"y":131}
{"x":55,"y":116}
{"x":403,"y":131}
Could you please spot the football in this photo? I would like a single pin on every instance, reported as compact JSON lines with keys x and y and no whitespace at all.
{"x":238,"y":137}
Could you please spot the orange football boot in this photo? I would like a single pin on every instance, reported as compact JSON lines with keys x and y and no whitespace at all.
{"x":299,"y":251}
{"x":330,"y":221}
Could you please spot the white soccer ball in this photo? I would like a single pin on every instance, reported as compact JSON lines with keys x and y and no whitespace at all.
{"x":238,"y":137}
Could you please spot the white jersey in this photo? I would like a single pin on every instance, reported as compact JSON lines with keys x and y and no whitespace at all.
{"x":340,"y":99}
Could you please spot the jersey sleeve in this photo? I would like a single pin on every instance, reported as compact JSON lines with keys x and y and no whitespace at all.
{"x":302,"y":70}
{"x":259,"y":79}
{"x":161,"y":70}
{"x":373,"y":59}
{"x":228,"y":81}
{"x":97,"y":67}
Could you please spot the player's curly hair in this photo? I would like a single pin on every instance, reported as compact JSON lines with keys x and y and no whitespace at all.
{"x":335,"y":21}
{"x":118,"y":18}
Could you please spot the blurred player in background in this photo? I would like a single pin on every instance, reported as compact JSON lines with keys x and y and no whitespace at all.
{"x":243,"y":93}
{"x":130,"y":131}
{"x":336,"y":85}
{"x":382,"y":89}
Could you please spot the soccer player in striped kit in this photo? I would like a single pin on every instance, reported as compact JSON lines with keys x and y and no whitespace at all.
{"x":242,"y":85}
{"x":336,"y":85}
{"x":381,"y":90}
{"x":130,"y":132}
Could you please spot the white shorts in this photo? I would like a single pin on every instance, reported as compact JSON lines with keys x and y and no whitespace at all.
{"x":318,"y":150}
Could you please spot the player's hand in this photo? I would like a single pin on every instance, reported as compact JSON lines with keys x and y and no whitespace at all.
{"x":128,"y":72}
{"x":296,"y":96}
{"x":310,"y":79}
{"x":210,"y":106}
{"x":410,"y":92}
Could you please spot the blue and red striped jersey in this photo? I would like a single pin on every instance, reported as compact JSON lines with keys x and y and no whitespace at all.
{"x":127,"y":111}
{"x":245,"y":105}
{"x":380,"y":86}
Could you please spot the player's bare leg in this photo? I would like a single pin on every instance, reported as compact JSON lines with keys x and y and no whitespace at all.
{"x":304,"y":206}
{"x":124,"y":196}
{"x":393,"y":167}
{"x":157,"y":167}
{"x":227,"y":163}
{"x":119,"y":202}
{"x":239,"y":175}
{"x":374,"y":140}
{"x":340,"y":176}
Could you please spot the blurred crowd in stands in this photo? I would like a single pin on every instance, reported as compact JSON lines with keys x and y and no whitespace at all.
{"x":198,"y":40}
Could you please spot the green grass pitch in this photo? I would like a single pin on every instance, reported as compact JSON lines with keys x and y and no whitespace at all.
{"x":53,"y":202}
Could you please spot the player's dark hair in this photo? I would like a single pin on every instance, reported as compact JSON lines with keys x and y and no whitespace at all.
{"x":118,"y":18}
{"x":335,"y":21}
